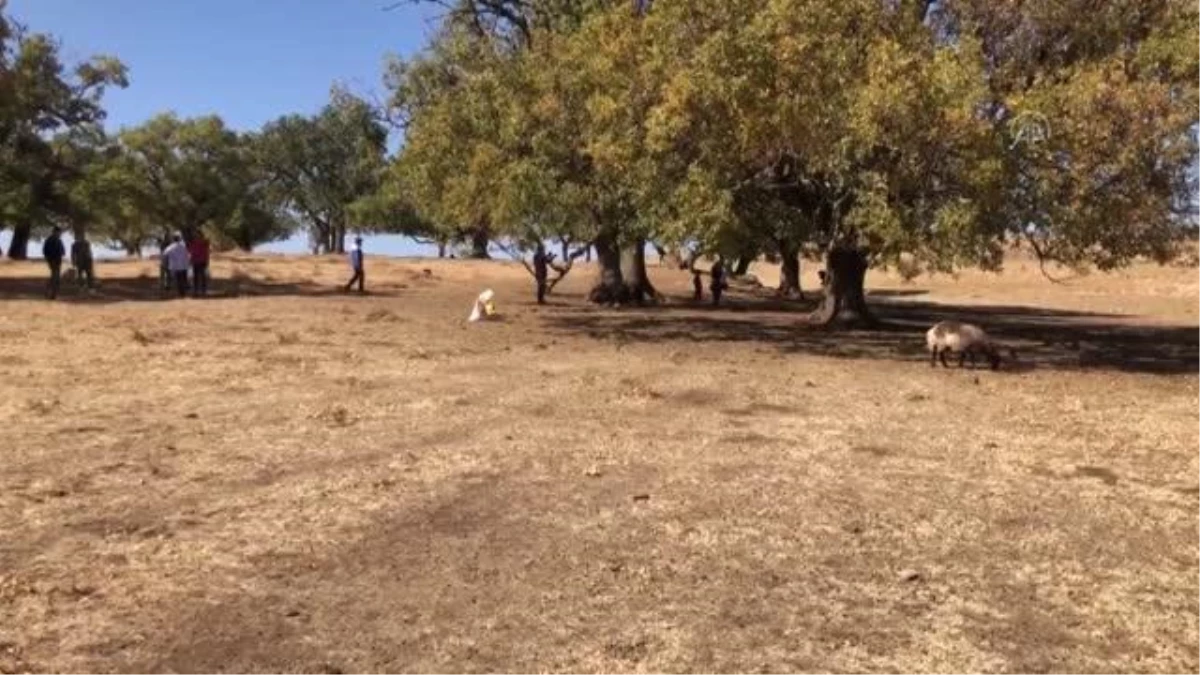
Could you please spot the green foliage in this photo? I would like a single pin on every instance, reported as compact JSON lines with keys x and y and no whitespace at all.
{"x":190,"y":171}
{"x":45,"y":108}
{"x":318,"y":167}
{"x":934,"y":132}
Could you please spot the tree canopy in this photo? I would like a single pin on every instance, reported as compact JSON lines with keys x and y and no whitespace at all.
{"x":939,"y":131}
{"x":47,"y":110}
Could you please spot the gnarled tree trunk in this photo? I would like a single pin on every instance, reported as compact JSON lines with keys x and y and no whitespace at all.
{"x":845,"y":272}
{"x":479,"y":243}
{"x":633,"y":268}
{"x":18,"y":248}
{"x":339,"y":238}
{"x":789,"y":271}
{"x":610,"y":286}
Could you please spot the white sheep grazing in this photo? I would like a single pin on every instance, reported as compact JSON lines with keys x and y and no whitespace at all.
{"x":963,"y":339}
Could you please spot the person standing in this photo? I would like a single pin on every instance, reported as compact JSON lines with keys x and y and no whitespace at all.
{"x":541,"y":265}
{"x":198,"y":252}
{"x":356,"y":264}
{"x":718,"y":280}
{"x":164,"y":271}
{"x":81,"y":260}
{"x":697,"y":286}
{"x":54,"y":252}
{"x":177,"y":264}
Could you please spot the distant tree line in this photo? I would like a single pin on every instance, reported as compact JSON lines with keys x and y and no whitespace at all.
{"x":132,"y":188}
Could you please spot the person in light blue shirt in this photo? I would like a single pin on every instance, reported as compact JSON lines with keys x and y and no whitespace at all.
{"x":356,"y":264}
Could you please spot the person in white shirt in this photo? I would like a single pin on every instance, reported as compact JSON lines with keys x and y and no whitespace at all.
{"x":177,"y":259}
{"x":356,"y":264}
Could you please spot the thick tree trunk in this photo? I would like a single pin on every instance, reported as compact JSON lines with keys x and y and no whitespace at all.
{"x":610,"y":286}
{"x":479,"y":243}
{"x":441,"y":249}
{"x":339,"y":238}
{"x":845,"y":273}
{"x":633,"y":269}
{"x":789,"y":272}
{"x":18,"y":248}
{"x":742,"y":266}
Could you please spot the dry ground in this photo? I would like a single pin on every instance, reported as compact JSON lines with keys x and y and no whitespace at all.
{"x":296,"y":480}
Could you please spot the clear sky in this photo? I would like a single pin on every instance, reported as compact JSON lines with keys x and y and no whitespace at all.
{"x":246,"y":60}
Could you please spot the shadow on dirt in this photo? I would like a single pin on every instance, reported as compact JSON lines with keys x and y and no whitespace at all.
{"x":1042,"y":337}
{"x":144,"y":288}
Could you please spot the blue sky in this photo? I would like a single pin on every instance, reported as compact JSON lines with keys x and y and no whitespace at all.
{"x":246,"y":60}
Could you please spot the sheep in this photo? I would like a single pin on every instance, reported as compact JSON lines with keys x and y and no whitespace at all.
{"x":966,"y":340}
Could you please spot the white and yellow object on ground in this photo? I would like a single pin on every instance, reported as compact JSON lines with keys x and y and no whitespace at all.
{"x":485,"y":306}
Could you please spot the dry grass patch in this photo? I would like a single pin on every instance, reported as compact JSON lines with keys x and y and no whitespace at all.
{"x":301,"y":480}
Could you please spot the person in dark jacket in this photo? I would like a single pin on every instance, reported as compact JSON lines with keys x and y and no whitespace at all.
{"x":697,"y":286}
{"x":54,"y":252}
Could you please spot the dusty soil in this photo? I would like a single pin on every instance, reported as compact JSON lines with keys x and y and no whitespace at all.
{"x":285,"y":478}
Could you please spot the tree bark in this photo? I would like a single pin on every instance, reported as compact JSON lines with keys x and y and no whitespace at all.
{"x":633,"y":269}
{"x":441,"y":249}
{"x":479,"y":243}
{"x":789,"y":272}
{"x":845,"y":273}
{"x":743,"y":266}
{"x":18,"y":248}
{"x":339,"y":238}
{"x":610,"y":285}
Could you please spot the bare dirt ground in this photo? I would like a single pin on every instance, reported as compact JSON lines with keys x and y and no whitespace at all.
{"x":290,"y":479}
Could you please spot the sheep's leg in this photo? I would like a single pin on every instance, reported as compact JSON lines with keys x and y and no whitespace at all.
{"x":942,"y":357}
{"x":962,"y":358}
{"x":933,"y":354}
{"x":971,"y":353}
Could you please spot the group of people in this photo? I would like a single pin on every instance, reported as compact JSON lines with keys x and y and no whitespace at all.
{"x":179,"y":255}
{"x":54,"y":251}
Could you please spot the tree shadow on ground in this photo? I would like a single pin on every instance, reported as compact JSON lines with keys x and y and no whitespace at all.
{"x":1043,"y":338}
{"x":146,"y":289}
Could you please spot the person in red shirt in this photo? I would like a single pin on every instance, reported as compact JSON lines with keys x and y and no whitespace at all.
{"x":198,"y":252}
